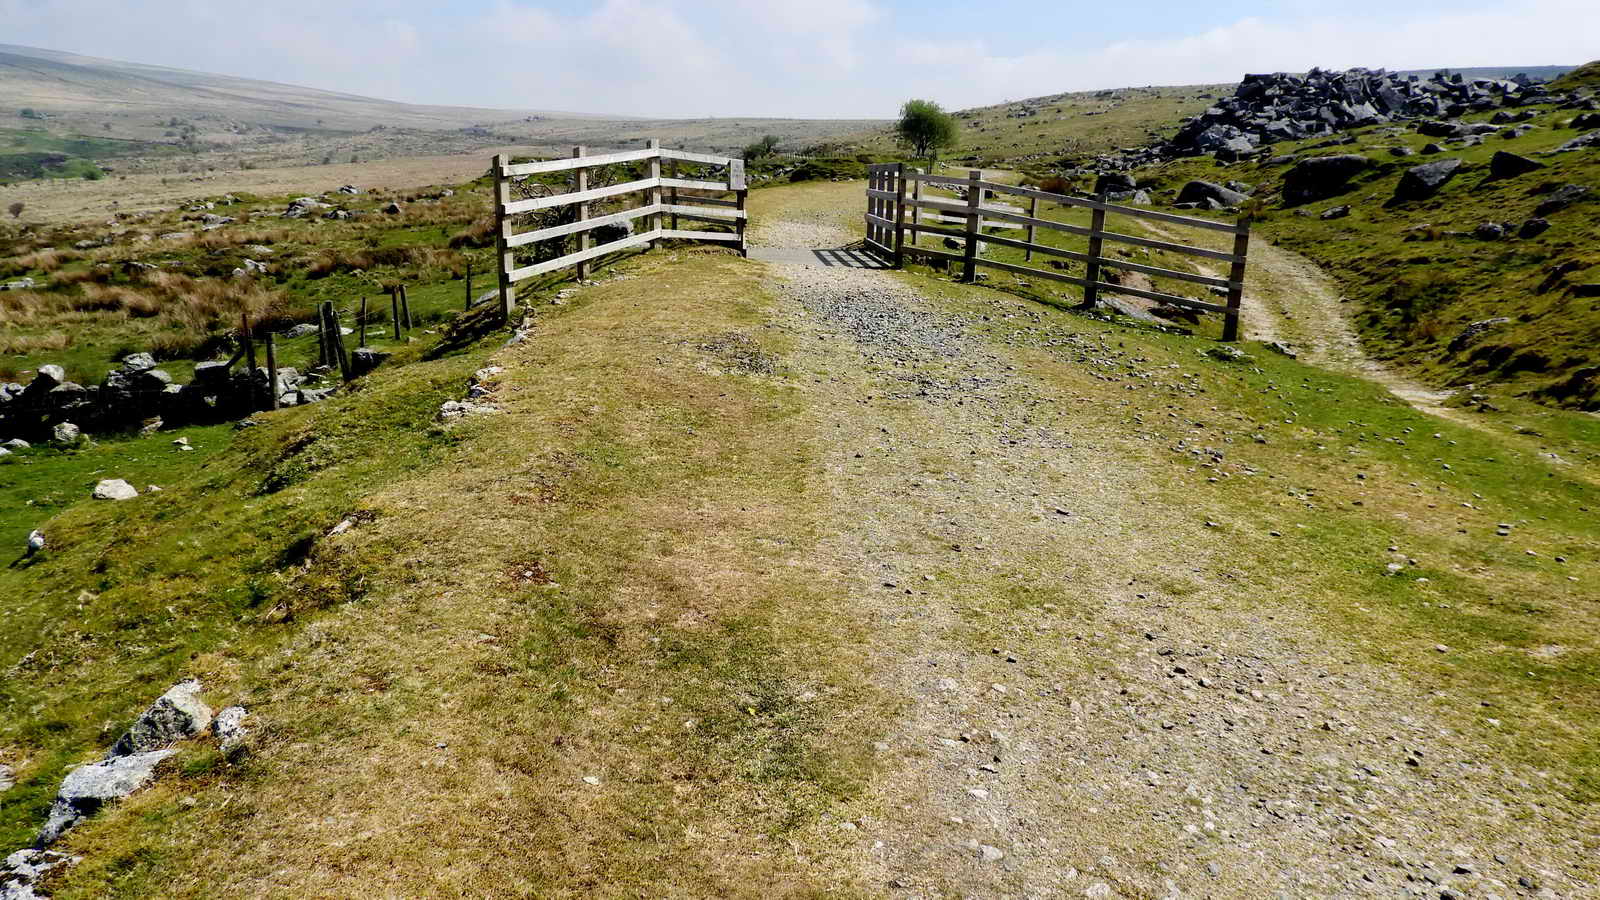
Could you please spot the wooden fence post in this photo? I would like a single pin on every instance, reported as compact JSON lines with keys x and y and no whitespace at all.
{"x":272,"y":372}
{"x":363,"y":323}
{"x":672,"y":193}
{"x":900,"y":216}
{"x":741,"y":188}
{"x":405,"y":306}
{"x":337,"y":339}
{"x":324,"y":357}
{"x":653,"y":196}
{"x":1097,"y":230}
{"x":467,"y":303}
{"x":916,"y":211}
{"x":502,"y":232}
{"x":1033,"y":213}
{"x":1241,"y":249}
{"x":249,"y":355}
{"x":580,"y":182}
{"x":969,"y":260}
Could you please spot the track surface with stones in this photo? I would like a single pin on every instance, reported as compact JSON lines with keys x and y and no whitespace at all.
{"x":1087,"y":710}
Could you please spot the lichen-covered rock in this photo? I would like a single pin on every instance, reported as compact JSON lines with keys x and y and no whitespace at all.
{"x":87,"y":788}
{"x":177,"y":714}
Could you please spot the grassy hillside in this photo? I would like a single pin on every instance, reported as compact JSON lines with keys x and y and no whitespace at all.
{"x":1418,"y":275}
{"x":1041,"y":130}
{"x":1585,"y":76}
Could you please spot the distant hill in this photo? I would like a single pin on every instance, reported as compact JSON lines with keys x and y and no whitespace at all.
{"x":65,"y":115}
{"x":57,"y":83}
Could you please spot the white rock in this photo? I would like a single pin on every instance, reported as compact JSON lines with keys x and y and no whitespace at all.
{"x":114,"y":489}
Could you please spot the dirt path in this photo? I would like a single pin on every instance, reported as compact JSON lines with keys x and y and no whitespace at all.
{"x":1088,"y":708}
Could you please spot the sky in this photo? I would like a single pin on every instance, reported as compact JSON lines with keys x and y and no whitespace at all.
{"x":814,"y":58}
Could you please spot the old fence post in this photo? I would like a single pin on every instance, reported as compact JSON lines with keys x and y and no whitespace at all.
{"x":900,"y":216}
{"x":405,"y":306}
{"x":1241,"y":249}
{"x":363,"y":322}
{"x":467,"y":303}
{"x":272,"y":372}
{"x":502,"y":231}
{"x":653,"y":196}
{"x":969,"y":260}
{"x":1033,"y":213}
{"x":1097,"y":230}
{"x":672,"y":193}
{"x":741,"y":188}
{"x":249,"y":355}
{"x":580,"y":182}
{"x":337,"y":339}
{"x":394,"y":310}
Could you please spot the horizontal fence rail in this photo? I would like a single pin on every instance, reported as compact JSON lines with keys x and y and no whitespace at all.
{"x":895,"y":207}
{"x":703,"y":202}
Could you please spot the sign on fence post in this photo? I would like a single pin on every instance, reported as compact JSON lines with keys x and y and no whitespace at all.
{"x":502,"y":231}
{"x":969,"y":259}
{"x":1241,"y":248}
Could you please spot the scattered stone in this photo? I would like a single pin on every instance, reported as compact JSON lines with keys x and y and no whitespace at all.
{"x":229,"y":728}
{"x":1533,"y":228}
{"x":1321,"y":177}
{"x":1336,"y":212}
{"x":1201,"y":191}
{"x":1560,"y":199}
{"x":1422,"y":182}
{"x":1510,"y":165}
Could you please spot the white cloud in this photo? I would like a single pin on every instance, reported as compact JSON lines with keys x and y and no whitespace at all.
{"x":966,"y":73}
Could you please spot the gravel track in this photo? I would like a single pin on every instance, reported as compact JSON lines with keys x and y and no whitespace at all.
{"x":1130,"y":730}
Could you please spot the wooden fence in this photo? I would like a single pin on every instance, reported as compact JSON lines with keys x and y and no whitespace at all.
{"x":694,"y":199}
{"x":895,"y":202}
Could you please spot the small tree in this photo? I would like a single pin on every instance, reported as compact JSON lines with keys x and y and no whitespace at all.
{"x":764,"y":147}
{"x":16,"y":208}
{"x":926,"y":128}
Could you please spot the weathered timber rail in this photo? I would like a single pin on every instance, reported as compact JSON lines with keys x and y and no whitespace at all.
{"x":696,"y":199}
{"x":895,"y":202}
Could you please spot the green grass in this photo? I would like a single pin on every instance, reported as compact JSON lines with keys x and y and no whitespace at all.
{"x":1416,"y":274}
{"x":35,"y":153}
{"x":128,"y":595}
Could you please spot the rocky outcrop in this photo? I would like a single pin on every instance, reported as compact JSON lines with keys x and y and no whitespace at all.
{"x":137,"y":391}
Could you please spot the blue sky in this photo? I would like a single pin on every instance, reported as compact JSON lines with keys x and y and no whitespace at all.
{"x":774,"y":58}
